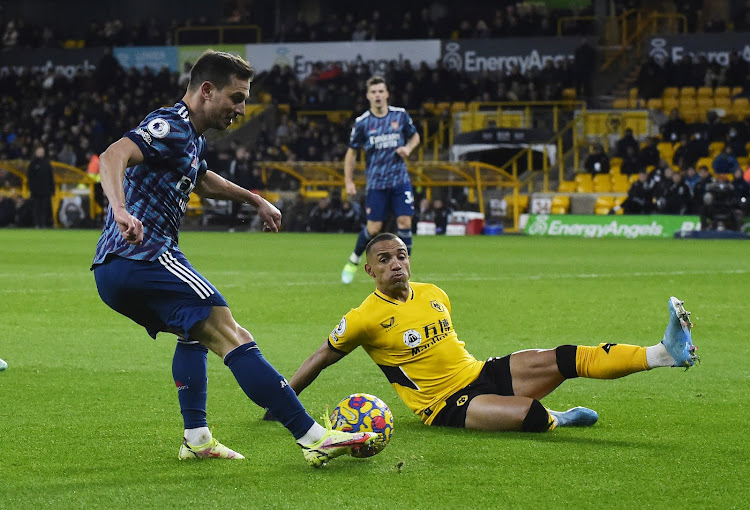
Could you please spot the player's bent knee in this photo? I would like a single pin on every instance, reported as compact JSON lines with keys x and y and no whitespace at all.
{"x":537,"y":419}
{"x":566,"y":360}
{"x":244,"y":335}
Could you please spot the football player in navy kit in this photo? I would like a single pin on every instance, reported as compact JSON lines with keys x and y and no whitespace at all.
{"x":388,"y":136}
{"x":140,"y":272}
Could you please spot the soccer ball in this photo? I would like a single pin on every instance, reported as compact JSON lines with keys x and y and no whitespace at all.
{"x":367,"y":413}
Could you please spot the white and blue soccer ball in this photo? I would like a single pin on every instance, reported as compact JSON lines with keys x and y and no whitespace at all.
{"x":3,"y":365}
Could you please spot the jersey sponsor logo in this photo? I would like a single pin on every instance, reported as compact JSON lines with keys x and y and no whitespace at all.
{"x":462,"y":400}
{"x":412,"y":338}
{"x":394,"y":125}
{"x":386,"y":141}
{"x":146,"y":137}
{"x":437,"y":306}
{"x":388,"y":323}
{"x":339,"y":330}
{"x":158,"y":127}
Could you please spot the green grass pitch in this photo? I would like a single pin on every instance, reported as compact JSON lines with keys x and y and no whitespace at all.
{"x":89,"y":415}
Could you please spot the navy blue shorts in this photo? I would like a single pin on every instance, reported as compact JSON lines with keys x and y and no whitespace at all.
{"x":166,"y":294}
{"x":380,"y":202}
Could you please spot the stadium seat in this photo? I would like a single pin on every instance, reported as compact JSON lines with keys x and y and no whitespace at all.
{"x":690,"y":115}
{"x":458,"y":106}
{"x":633,"y":93}
{"x":736,"y":91}
{"x":741,"y":107}
{"x":669,"y":104}
{"x":602,"y":183}
{"x":721,"y":92}
{"x":620,"y":183}
{"x":632,"y":178}
{"x":714,"y":148}
{"x":705,"y":103}
{"x":584,"y":183}
{"x":670,"y":92}
{"x":604,"y":204}
{"x":522,"y":201}
{"x":724,"y":103}
{"x":615,"y":161}
{"x":654,"y":103}
{"x":620,"y":103}
{"x":441,"y":107}
{"x":707,"y":161}
{"x":686,"y":92}
{"x":666,"y":150}
{"x":743,"y":161}
{"x":566,"y":187}
{"x":704,"y":92}
{"x":195,"y":205}
{"x":687,"y":102}
{"x":560,"y":204}
{"x":569,"y":93}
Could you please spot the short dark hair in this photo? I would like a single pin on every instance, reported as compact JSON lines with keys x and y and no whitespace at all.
{"x":385,"y":236}
{"x":376,"y":80}
{"x":219,"y":67}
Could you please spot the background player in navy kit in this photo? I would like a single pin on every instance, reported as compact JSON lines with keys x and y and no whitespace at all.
{"x":140,"y":272}
{"x":387,"y":135}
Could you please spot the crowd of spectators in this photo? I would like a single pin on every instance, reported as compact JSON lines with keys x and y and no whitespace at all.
{"x":390,"y":20}
{"x":656,"y":74}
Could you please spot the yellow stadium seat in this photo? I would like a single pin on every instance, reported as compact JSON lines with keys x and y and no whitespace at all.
{"x":634,"y":102}
{"x":666,"y":150}
{"x":615,"y":161}
{"x":670,"y":92}
{"x":569,"y":93}
{"x":521,"y":200}
{"x":458,"y":106}
{"x":584,"y":183}
{"x":194,"y":206}
{"x":715,"y":148}
{"x":687,"y":92}
{"x":704,"y":92}
{"x":442,"y":106}
{"x":560,"y":204}
{"x":688,"y":102}
{"x":620,"y":183}
{"x":669,"y":104}
{"x":602,"y":183}
{"x":723,"y":102}
{"x":566,"y":187}
{"x":620,"y":103}
{"x":690,"y":114}
{"x":654,"y":103}
{"x":604,"y":204}
{"x":707,"y":161}
{"x":741,"y":106}
{"x":721,"y":92}
{"x":633,"y":93}
{"x":705,"y":103}
{"x":743,"y":161}
{"x":736,"y":91}
{"x":632,"y":178}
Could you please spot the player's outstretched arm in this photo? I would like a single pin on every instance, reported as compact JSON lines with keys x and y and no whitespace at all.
{"x":212,"y":185}
{"x":112,"y":164}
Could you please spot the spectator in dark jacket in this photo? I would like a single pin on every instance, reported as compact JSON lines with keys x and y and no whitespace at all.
{"x":627,"y":140}
{"x":597,"y":162}
{"x":42,"y":188}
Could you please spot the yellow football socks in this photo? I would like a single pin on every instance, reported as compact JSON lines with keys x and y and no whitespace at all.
{"x":610,"y":361}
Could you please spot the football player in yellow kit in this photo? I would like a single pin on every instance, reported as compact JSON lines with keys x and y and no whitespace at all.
{"x":406,"y":328}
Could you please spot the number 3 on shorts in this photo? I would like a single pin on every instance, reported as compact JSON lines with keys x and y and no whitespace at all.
{"x":409,"y":198}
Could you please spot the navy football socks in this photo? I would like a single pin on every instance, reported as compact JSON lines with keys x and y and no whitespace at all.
{"x":266,"y":387}
{"x":189,"y":370}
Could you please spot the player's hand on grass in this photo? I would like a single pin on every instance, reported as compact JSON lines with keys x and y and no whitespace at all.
{"x":131,"y":228}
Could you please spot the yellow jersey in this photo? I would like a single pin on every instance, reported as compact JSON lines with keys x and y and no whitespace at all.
{"x":413,"y":343}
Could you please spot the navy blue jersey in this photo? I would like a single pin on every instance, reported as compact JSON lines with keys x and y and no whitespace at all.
{"x":380,"y":137}
{"x":157,"y":190}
